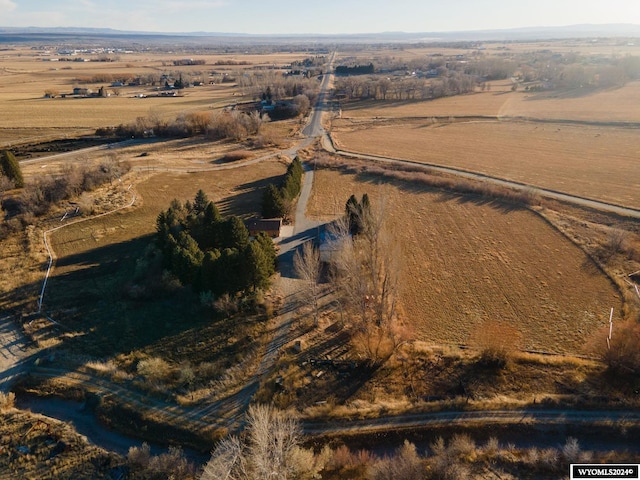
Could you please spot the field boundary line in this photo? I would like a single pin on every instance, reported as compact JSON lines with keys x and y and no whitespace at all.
{"x":51,"y":253}
{"x":547,"y":192}
{"x":452,"y":119}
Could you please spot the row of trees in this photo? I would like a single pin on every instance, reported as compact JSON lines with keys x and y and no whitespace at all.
{"x":364,"y":270}
{"x":277,"y":201}
{"x":234,"y":125}
{"x":211,"y":253}
{"x":406,"y":88}
{"x":355,"y":70}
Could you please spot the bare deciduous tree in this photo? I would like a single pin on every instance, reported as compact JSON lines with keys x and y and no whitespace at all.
{"x":271,"y":451}
{"x":366,"y":271}
{"x":405,"y":464}
{"x":307,"y":267}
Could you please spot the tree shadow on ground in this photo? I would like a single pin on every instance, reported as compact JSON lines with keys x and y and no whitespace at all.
{"x":565,"y":93}
{"x":443,"y":195}
{"x":243,"y":199}
{"x":87,"y":294}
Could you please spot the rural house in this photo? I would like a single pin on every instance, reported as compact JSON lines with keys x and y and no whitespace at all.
{"x":270,"y":226}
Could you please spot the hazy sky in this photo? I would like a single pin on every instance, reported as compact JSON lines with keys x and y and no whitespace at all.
{"x":322,"y":16}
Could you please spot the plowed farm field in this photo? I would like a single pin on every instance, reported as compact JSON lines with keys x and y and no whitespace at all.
{"x":468,"y":261}
{"x":599,"y":162}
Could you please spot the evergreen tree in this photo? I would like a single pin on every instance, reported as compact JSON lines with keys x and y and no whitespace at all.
{"x":200,"y":202}
{"x":10,"y":168}
{"x":266,"y":243}
{"x":256,"y":268}
{"x":293,"y":180}
{"x":236,"y":233}
{"x":228,"y":275}
{"x":358,"y":214}
{"x":208,"y":273}
{"x":272,"y":204}
{"x":208,"y":228}
{"x":187,"y":258}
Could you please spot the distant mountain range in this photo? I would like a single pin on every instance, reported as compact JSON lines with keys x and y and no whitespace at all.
{"x":511,"y":34}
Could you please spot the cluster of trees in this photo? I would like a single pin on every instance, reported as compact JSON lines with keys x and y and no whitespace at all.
{"x":316,"y":61}
{"x":188,"y":61}
{"x":277,"y":201}
{"x":355,"y":70}
{"x":365,"y":272}
{"x":281,"y":87}
{"x":234,"y":125}
{"x":10,"y":170}
{"x":211,"y":253}
{"x":39,"y":195}
{"x":406,"y":88}
{"x":572,"y":70}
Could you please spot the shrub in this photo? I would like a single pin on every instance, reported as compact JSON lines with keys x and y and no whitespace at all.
{"x":622,"y":355}
{"x":405,"y":464}
{"x":154,"y":369}
{"x":496,"y":341}
{"x":7,"y":400}
{"x":235,"y":156}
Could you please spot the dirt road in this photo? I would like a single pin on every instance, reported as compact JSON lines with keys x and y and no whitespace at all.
{"x":14,"y":353}
{"x":554,"y":194}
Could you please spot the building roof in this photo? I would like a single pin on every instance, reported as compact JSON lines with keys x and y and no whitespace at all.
{"x":264,"y":224}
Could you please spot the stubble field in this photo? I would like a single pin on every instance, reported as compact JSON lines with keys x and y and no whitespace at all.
{"x":597,"y":162}
{"x":468,"y":261}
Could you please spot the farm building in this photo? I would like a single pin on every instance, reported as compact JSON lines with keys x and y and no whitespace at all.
{"x":82,"y":91}
{"x":270,"y":226}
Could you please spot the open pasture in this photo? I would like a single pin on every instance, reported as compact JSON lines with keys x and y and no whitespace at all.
{"x":25,"y":75}
{"x":468,"y":260}
{"x":597,"y":162}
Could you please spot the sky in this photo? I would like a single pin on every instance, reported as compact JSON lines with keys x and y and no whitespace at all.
{"x":314,"y":17}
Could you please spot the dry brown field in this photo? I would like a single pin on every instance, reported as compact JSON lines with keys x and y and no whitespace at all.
{"x":614,"y":105}
{"x":604,"y":48}
{"x":468,"y":260}
{"x":24,"y":78}
{"x":592,"y":161}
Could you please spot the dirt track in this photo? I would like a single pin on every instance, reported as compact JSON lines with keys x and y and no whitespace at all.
{"x":14,"y":353}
